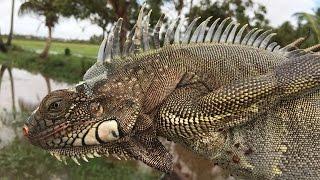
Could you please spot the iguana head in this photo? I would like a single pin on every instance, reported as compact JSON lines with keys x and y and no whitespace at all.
{"x":70,"y":123}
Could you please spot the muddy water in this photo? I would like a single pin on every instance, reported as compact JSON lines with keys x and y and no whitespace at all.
{"x":19,"y":88}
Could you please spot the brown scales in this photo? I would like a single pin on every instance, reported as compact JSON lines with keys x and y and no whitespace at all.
{"x":214,"y":89}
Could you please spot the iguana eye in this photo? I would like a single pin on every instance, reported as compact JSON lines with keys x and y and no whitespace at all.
{"x":55,"y":106}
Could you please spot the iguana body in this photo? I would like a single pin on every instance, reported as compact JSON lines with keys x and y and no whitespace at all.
{"x":248,"y":105}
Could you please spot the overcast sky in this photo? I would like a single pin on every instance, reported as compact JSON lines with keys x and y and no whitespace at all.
{"x":278,"y":12}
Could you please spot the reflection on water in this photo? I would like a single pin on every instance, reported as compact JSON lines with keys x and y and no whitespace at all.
{"x":22,"y":91}
{"x":27,"y":87}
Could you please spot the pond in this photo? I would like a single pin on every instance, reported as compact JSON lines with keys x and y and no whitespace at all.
{"x":27,"y":87}
{"x":20,"y":92}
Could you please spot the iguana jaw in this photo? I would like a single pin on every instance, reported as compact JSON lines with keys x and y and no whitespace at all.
{"x":126,"y":148}
{"x":117,"y":149}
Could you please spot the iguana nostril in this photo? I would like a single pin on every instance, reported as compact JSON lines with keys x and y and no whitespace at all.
{"x":25,"y":130}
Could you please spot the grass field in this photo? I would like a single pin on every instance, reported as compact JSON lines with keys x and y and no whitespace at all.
{"x":57,"y":66}
{"x":88,"y":50}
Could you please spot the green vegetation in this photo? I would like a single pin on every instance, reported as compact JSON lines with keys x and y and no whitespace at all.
{"x":88,"y":50}
{"x":21,"y":160}
{"x":59,"y":67}
{"x":50,"y":10}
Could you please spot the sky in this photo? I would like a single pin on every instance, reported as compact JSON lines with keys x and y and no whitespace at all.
{"x":69,"y":28}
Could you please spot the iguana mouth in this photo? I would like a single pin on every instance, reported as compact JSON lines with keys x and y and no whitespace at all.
{"x":116,"y":149}
{"x":92,"y":140}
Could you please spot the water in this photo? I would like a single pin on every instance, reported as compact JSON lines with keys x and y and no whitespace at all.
{"x":27,"y":88}
{"x":21,"y":90}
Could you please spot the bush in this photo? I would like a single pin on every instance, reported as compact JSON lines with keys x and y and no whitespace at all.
{"x":67,"y":52}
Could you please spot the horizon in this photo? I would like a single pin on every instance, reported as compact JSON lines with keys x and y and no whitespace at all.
{"x":72,"y":29}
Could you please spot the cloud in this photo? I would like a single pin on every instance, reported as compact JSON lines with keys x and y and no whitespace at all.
{"x":278,"y":12}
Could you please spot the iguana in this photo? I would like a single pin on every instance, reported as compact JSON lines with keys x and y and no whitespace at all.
{"x":235,"y":98}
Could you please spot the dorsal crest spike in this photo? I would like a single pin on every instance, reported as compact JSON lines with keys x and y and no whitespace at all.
{"x":203,"y":30}
{"x":271,"y":46}
{"x":314,"y":48}
{"x":137,"y":34}
{"x":169,"y":33}
{"x":177,"y":34}
{"x":108,"y":53}
{"x":226,"y":32}
{"x":217,"y":34}
{"x":128,"y":42}
{"x":233,"y":33}
{"x":116,"y":42}
{"x":187,"y":34}
{"x":247,"y":36}
{"x":198,"y":30}
{"x":102,"y":50}
{"x":266,"y":40}
{"x":239,"y":34}
{"x":156,"y":32}
{"x":146,"y":32}
{"x":211,"y":31}
{"x":253,"y":37}
{"x":260,"y":38}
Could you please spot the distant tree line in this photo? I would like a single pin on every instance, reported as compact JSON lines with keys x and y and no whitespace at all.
{"x":105,"y":12}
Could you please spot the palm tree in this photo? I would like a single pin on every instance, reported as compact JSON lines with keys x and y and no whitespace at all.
{"x":2,"y":45}
{"x":46,"y":8}
{"x":313,"y":21}
{"x":11,"y":26}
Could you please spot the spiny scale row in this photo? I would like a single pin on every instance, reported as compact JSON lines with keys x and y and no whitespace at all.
{"x":138,"y":38}
{"x":63,"y":158}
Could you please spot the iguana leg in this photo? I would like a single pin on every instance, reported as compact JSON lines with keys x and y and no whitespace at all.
{"x":236,"y":97}
{"x":146,"y":146}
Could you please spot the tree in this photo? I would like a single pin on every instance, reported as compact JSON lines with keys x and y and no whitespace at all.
{"x":286,"y":33}
{"x":312,"y":21}
{"x":178,"y":4}
{"x":231,"y":8}
{"x":47,"y":8}
{"x":102,"y":12}
{"x":96,"y":10}
{"x":11,"y":25}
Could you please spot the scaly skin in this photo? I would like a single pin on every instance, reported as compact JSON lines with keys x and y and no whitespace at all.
{"x":227,"y":102}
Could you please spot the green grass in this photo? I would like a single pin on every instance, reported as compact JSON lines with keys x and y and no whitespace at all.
{"x":59,"y":67}
{"x":21,"y":160}
{"x":88,"y":50}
